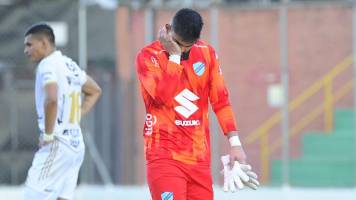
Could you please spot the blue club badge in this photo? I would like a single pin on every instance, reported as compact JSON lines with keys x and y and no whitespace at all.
{"x":199,"y":68}
{"x":167,"y":196}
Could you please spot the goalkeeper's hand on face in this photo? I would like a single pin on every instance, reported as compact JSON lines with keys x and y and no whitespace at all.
{"x":238,"y":176}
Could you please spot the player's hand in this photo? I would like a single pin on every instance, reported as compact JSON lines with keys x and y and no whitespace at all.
{"x":237,"y":153}
{"x":239,"y":175}
{"x":165,"y":37}
{"x":43,"y":142}
{"x":233,"y":177}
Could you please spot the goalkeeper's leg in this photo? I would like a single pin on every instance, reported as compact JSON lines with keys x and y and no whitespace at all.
{"x":166,"y":181}
{"x":200,"y":183}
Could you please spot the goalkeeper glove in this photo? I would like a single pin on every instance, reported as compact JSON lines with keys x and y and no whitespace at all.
{"x":233,"y":176}
{"x":252,"y":182}
{"x":239,"y":175}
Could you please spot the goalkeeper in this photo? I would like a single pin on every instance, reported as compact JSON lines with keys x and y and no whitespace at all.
{"x":179,"y":75}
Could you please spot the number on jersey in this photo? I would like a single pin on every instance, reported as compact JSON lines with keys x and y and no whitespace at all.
{"x":75,"y":108}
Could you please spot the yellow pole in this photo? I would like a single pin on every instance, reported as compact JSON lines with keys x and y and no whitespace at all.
{"x":328,"y":104}
{"x":264,"y":158}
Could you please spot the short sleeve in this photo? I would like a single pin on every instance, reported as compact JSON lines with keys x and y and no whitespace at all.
{"x":47,"y":73}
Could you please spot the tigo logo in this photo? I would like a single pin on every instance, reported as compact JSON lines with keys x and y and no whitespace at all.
{"x":149,"y":123}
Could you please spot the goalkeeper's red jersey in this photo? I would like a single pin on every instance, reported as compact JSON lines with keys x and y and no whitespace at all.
{"x":176,"y":98}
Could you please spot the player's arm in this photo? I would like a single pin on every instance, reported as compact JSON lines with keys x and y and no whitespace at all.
{"x":50,"y":107}
{"x":219,"y":99}
{"x":48,"y":80}
{"x":92,"y":92}
{"x":234,"y":173}
{"x":160,"y":82}
{"x":236,"y":150}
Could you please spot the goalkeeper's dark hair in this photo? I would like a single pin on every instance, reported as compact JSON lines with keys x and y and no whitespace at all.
{"x":187,"y":23}
{"x":42,"y":29}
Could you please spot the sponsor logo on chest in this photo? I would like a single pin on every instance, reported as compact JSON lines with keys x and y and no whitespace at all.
{"x":186,"y":108}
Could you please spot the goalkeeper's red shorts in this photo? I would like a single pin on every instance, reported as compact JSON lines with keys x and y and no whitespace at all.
{"x":173,"y":180}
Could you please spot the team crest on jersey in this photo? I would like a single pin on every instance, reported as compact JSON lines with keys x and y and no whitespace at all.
{"x":167,"y":196}
{"x":199,"y":68}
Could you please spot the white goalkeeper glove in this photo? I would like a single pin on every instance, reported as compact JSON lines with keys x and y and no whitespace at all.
{"x":239,"y":175}
{"x":233,"y":177}
{"x":252,"y":182}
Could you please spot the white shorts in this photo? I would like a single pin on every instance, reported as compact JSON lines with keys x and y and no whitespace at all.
{"x":54,"y":173}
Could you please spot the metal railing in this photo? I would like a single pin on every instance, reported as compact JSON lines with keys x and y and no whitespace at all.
{"x":326,"y":84}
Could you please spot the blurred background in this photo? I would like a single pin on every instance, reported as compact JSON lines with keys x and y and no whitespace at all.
{"x":288,"y":65}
